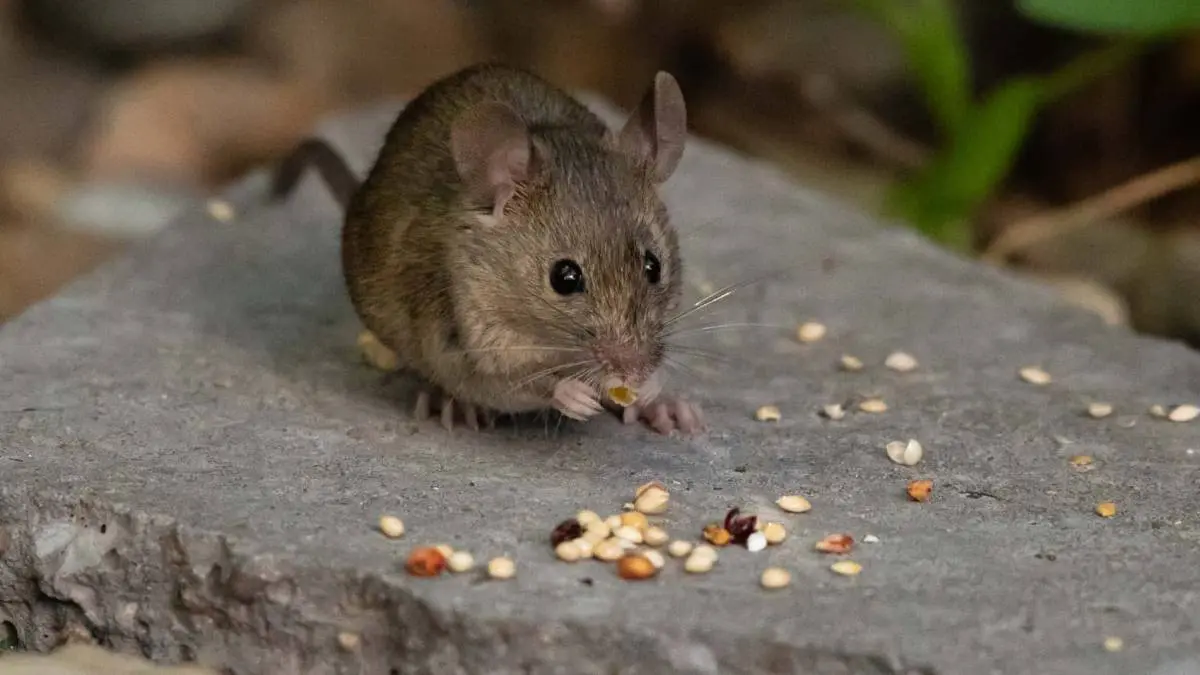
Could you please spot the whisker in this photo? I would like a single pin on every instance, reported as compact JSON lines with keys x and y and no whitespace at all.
{"x":719,"y":326}
{"x":722,"y":294}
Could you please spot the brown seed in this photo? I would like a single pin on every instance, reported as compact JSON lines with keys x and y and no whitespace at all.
{"x":635,"y":520}
{"x":919,"y":490}
{"x":425,"y":561}
{"x":566,"y":531}
{"x":836,"y":543}
{"x":717,"y":535}
{"x":635,"y":567}
{"x":1106,"y":509}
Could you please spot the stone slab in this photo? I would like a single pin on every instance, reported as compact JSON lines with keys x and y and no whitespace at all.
{"x":193,"y":457}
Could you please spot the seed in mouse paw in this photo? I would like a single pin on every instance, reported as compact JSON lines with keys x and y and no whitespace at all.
{"x":391,"y":527}
{"x":375,"y":353}
{"x":810,"y":331}
{"x":900,"y":362}
{"x":919,"y":490}
{"x":768,"y":413}
{"x":623,"y":396}
{"x":426,"y":561}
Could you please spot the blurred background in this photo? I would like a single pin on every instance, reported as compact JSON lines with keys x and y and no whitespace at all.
{"x":1059,"y":138}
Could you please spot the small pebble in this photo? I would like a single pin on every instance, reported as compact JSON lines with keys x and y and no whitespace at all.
{"x":1184,"y":413}
{"x":756,"y":542}
{"x":775,"y":577}
{"x":810,"y":332}
{"x":568,"y":551}
{"x":501,"y":568}
{"x":900,"y":362}
{"x":391,"y":527}
{"x":851,"y":363}
{"x":1034,"y":375}
{"x":871,"y":539}
{"x":1113,"y":643}
{"x":655,"y":536}
{"x":221,"y":210}
{"x":774,"y":532}
{"x":349,"y":641}
{"x":1106,"y":509}
{"x":847,"y":568}
{"x":679,"y":548}
{"x":1099,"y":410}
{"x":793,"y":504}
{"x":768,"y":413}
{"x":873,"y":405}
{"x":834,"y":411}
{"x":907,"y":454}
{"x":460,"y":561}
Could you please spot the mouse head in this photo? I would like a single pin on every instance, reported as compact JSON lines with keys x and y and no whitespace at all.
{"x":567,"y":247}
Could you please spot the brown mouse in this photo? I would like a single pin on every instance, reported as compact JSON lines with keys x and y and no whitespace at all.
{"x":513,"y":251}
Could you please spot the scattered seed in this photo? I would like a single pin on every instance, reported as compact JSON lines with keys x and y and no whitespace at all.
{"x":597,"y":533}
{"x":775,"y":533}
{"x":567,"y":551}
{"x":834,"y":411}
{"x":679,"y":548}
{"x":655,"y":536}
{"x":871,"y":539}
{"x":501,"y":568}
{"x":810,"y":332}
{"x":775,"y":577}
{"x":1081,"y":461}
{"x":634,"y":567}
{"x":608,"y":550}
{"x":425,"y":561}
{"x":613,"y":522}
{"x":740,"y":527}
{"x":653,"y":501}
{"x":587,"y":518}
{"x":698,"y":564}
{"x":654,"y":484}
{"x":655,"y":558}
{"x":907,"y":454}
{"x":1106,"y":509}
{"x":627,"y":506}
{"x":584,"y":546}
{"x":717,"y":535}
{"x":445,"y":550}
{"x":391,"y":527}
{"x":919,"y":490}
{"x":1184,"y":413}
{"x":375,"y":353}
{"x":1098,"y":410}
{"x":756,"y":542}
{"x":1113,"y":643}
{"x":836,"y":543}
{"x":628,"y":533}
{"x":349,"y":641}
{"x":846,"y":568}
{"x":1034,"y":375}
{"x":851,"y":363}
{"x":1157,"y":410}
{"x":635,"y":520}
{"x":873,"y":405}
{"x":900,"y":362}
{"x":793,"y":504}
{"x":768,"y":413}
{"x":566,"y":531}
{"x":705,"y":550}
{"x":460,"y":561}
{"x":221,"y":210}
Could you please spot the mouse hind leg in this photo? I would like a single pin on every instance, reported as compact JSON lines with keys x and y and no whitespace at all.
{"x":433,"y":401}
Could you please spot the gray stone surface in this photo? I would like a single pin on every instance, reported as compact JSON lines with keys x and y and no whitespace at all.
{"x":193,"y":456}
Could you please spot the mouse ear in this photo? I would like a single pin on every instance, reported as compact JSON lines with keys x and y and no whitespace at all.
{"x":656,"y":132}
{"x":493,"y":152}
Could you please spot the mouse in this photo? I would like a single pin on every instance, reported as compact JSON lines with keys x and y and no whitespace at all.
{"x":513,"y":251}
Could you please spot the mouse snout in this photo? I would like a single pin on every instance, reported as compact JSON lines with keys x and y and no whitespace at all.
{"x":624,"y":360}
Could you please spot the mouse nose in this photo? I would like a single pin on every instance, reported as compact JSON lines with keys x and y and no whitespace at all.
{"x":624,"y":358}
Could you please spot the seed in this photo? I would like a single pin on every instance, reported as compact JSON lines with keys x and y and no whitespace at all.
{"x":810,"y":332}
{"x":775,"y":533}
{"x":851,"y":363}
{"x":567,"y":551}
{"x":608,"y":550}
{"x":587,"y":518}
{"x":375,"y":353}
{"x":460,"y":561}
{"x":717,"y":535}
{"x":756,"y":542}
{"x":919,"y":490}
{"x":846,"y":568}
{"x":907,"y":454}
{"x":1081,"y":461}
{"x":706,"y":551}
{"x":622,"y":396}
{"x":679,"y":548}
{"x":873,"y":405}
{"x":1113,"y":643}
{"x":1034,"y":375}
{"x":655,"y":558}
{"x":425,"y":561}
{"x":584,"y":546}
{"x":220,"y":210}
{"x":836,"y":543}
{"x":900,"y":362}
{"x":635,"y":520}
{"x":1099,"y":410}
{"x":566,"y":531}
{"x":628,"y":533}
{"x":349,"y":641}
{"x":768,"y":413}
{"x":655,"y":536}
{"x":635,"y":567}
{"x":1157,"y":410}
{"x":613,"y":522}
{"x":654,"y":484}
{"x":445,"y":550}
{"x":775,"y":577}
{"x":834,"y":411}
{"x":871,"y":539}
{"x":1106,"y":509}
{"x":391,"y":527}
{"x":501,"y":568}
{"x":698,"y":564}
{"x":1184,"y":413}
{"x":652,"y":501}
{"x":793,"y":504}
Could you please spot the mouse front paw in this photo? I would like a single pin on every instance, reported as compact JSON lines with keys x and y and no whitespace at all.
{"x":449,"y":410}
{"x":665,"y":414}
{"x":575,"y":399}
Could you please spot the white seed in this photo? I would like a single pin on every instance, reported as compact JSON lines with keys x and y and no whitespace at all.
{"x":460,"y":561}
{"x":698,"y":564}
{"x":567,"y":551}
{"x":768,"y":413}
{"x":793,"y":504}
{"x":220,"y":210}
{"x":613,"y":522}
{"x":584,"y":546}
{"x":501,"y":568}
{"x":775,"y":577}
{"x":1157,"y":410}
{"x":851,"y":363}
{"x":608,"y":550}
{"x":756,"y":542}
{"x":810,"y":332}
{"x":655,"y":558}
{"x":1184,"y":413}
{"x":627,"y":506}
{"x":873,"y":405}
{"x":834,"y":411}
{"x":587,"y":518}
{"x":628,"y":533}
{"x":774,"y":532}
{"x":349,"y":641}
{"x":705,"y":550}
{"x":871,"y":539}
{"x":391,"y":527}
{"x":1035,"y":375}
{"x":652,"y":501}
{"x":907,"y":454}
{"x":847,"y":568}
{"x":679,"y":548}
{"x":445,"y":550}
{"x":655,"y":536}
{"x":900,"y":362}
{"x":1113,"y":643}
{"x":597,"y":531}
{"x":1099,"y":410}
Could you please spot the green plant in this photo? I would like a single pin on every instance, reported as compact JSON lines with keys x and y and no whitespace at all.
{"x":980,"y":137}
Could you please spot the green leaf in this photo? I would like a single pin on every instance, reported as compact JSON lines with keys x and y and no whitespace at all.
{"x":1128,"y":17}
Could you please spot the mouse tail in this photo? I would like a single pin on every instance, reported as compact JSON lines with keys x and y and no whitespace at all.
{"x":328,"y":162}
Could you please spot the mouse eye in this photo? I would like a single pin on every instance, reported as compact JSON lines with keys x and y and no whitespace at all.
{"x":566,"y":277}
{"x":652,"y":268}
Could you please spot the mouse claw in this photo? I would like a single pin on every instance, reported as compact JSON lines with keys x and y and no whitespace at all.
{"x":448,"y":414}
{"x":421,"y":410}
{"x":576,"y":400}
{"x":471,"y":415}
{"x":667,"y":414}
